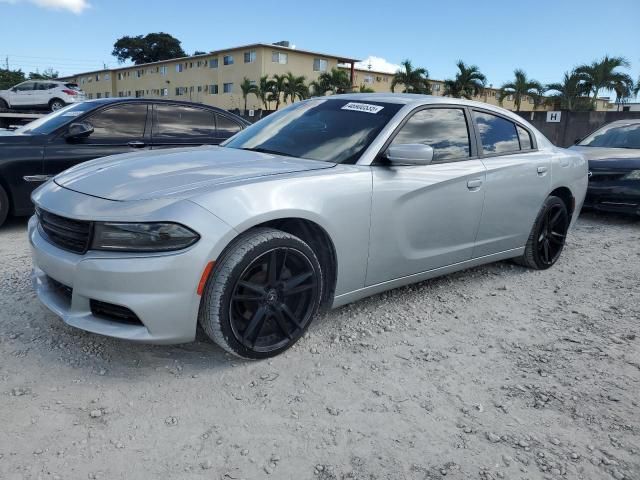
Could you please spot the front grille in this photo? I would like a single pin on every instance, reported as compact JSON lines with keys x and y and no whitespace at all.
{"x":66,"y":233}
{"x":114,"y":312}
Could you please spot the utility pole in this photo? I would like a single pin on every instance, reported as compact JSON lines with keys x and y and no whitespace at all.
{"x":6,"y":61}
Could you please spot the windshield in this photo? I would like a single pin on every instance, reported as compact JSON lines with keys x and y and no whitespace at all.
{"x":330,"y":130}
{"x":51,"y":122}
{"x":614,"y":136}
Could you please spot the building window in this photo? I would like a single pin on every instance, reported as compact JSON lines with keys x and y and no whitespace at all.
{"x":119,"y":75}
{"x":121,"y":94}
{"x":436,"y":87}
{"x":213,"y":63}
{"x":228,"y":60}
{"x":163,"y":70}
{"x":83,"y":81}
{"x":164,"y":92}
{"x":107,"y":94}
{"x":213,"y":89}
{"x":139,"y":93}
{"x":97,"y":77}
{"x":89,"y":96}
{"x":98,"y":95}
{"x":250,"y":56}
{"x":107,"y":76}
{"x":139,"y":73}
{"x":199,"y":88}
{"x":181,"y":91}
{"x":227,"y":87}
{"x":320,"y":65}
{"x":280,"y":57}
{"x":179,"y":67}
{"x":368,"y":79}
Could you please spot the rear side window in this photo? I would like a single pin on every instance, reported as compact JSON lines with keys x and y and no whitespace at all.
{"x":227,"y":127}
{"x":525,"y":138}
{"x":180,"y":122}
{"x":497,"y":134}
{"x":443,"y":129}
{"x":119,"y":122}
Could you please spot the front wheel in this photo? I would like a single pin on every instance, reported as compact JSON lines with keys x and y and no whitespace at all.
{"x":4,"y":205}
{"x":262,"y":294}
{"x":548,"y":235}
{"x":56,"y":104}
{"x":3,"y":104}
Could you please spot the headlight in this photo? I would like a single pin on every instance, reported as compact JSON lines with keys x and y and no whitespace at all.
{"x":632,"y":175}
{"x":142,"y":237}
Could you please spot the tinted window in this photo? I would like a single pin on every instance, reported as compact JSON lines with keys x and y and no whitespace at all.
{"x":330,"y":130}
{"x":26,"y":86}
{"x":57,"y":119}
{"x":497,"y":134}
{"x":525,"y":138}
{"x":227,"y":127}
{"x":615,"y":136}
{"x":122,"y":121}
{"x":444,"y":129}
{"x":174,"y":121}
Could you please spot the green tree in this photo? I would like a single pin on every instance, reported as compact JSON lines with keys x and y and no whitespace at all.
{"x":469,"y":82}
{"x":636,"y":89}
{"x":519,"y":87}
{"x":570,"y":93}
{"x":364,"y":89}
{"x":48,"y":74}
{"x":295,"y":87}
{"x":414,"y":80}
{"x":9,"y":78}
{"x":604,"y":74}
{"x":335,"y":81}
{"x":278,"y":88}
{"x":247,"y":87}
{"x":264,"y":91}
{"x":152,"y":47}
{"x":623,"y":91}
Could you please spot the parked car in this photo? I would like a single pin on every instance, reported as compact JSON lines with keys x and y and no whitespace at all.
{"x":613,"y":152}
{"x":96,"y":128}
{"x":49,"y":94}
{"x":325,"y":202}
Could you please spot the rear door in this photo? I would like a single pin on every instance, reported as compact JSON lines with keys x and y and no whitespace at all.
{"x":119,"y":128}
{"x":518,"y":181}
{"x":42,"y":92}
{"x":182,"y":126}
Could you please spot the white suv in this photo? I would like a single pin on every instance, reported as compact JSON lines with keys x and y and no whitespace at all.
{"x":49,"y":94}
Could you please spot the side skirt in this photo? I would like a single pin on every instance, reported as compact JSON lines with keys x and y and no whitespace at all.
{"x":349,"y":297}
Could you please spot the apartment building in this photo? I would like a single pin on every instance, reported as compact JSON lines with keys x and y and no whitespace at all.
{"x":214,"y":78}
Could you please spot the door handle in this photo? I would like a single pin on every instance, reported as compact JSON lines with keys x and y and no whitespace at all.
{"x":542,"y":171}
{"x":474,"y":184}
{"x":136,"y":144}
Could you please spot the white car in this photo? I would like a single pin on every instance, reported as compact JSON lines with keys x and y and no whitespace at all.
{"x":49,"y":94}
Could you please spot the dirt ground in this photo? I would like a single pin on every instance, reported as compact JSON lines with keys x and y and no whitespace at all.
{"x":494,"y":372}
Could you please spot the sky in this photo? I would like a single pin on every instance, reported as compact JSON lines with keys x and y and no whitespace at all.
{"x":545,"y":38}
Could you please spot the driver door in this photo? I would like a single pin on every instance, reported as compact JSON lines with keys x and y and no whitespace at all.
{"x":426,"y":217}
{"x":22,"y":94}
{"x":121,"y":128}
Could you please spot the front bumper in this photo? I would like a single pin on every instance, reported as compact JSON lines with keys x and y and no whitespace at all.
{"x":621,"y":196}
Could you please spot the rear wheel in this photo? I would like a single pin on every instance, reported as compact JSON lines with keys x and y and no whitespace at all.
{"x":3,"y":104}
{"x":548,"y":235}
{"x":56,"y":104}
{"x":4,"y":205}
{"x":262,"y":295}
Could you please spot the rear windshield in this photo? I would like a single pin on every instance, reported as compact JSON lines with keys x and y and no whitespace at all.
{"x":55,"y":120}
{"x":614,"y":136}
{"x":73,"y":86}
{"x":329,"y":130}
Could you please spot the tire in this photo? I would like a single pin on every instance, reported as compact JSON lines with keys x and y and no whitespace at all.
{"x":4,"y":205}
{"x":3,"y":104}
{"x":547,"y":238}
{"x":56,"y":104}
{"x":253,"y":310}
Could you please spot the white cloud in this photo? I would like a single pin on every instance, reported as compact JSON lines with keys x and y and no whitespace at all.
{"x":75,"y":6}
{"x":377,"y":64}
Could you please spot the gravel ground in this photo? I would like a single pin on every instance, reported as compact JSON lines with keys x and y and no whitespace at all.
{"x":495,"y":372}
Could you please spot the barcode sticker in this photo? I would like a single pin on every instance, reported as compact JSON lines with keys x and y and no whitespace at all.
{"x":362,"y":107}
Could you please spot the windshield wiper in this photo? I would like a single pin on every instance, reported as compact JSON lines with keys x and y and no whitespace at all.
{"x":265,"y":150}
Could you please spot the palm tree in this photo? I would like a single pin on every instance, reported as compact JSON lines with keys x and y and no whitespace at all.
{"x":469,"y":82}
{"x":264,"y":91}
{"x":519,"y":87}
{"x":365,"y":89}
{"x":336,"y":80}
{"x":569,"y":91}
{"x":623,"y":92}
{"x":636,"y":89}
{"x":603,"y":75}
{"x":248,"y":87}
{"x":295,"y":87}
{"x":414,"y":80}
{"x":278,"y":87}
{"x":318,"y":88}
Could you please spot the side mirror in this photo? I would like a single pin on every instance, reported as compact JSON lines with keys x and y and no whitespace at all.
{"x":79,"y":130}
{"x":410,"y":154}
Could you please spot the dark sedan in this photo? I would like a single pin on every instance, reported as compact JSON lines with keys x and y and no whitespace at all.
{"x":34,"y":153}
{"x":613,"y":152}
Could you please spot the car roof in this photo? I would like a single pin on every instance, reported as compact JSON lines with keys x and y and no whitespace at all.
{"x":625,"y":121}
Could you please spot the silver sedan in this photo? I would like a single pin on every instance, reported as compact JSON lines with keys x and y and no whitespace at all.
{"x":320,"y":204}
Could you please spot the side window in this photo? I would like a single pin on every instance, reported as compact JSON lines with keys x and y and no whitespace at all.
{"x":121,"y":121}
{"x":444,"y":129}
{"x":497,"y":134}
{"x":180,"y":122}
{"x":25,"y":87}
{"x":227,"y":127}
{"x":525,"y":138}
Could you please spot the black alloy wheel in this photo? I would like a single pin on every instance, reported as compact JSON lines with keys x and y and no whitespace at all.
{"x":552,"y":234}
{"x":273,"y":300}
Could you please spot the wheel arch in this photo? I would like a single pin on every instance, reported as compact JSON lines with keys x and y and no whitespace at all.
{"x":565,"y":194}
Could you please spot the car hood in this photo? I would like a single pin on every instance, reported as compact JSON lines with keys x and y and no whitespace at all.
{"x":175,"y":172}
{"x":10,"y":137}
{"x":610,"y":158}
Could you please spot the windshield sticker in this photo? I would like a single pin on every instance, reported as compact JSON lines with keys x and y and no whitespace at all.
{"x":71,"y":114}
{"x":362,"y":107}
